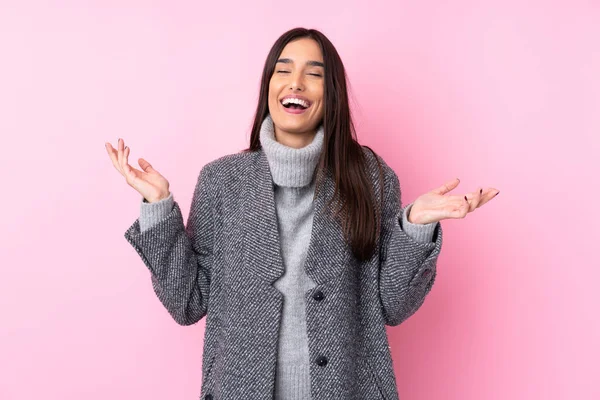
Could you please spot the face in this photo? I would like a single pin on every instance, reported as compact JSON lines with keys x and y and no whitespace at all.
{"x":299,"y":73}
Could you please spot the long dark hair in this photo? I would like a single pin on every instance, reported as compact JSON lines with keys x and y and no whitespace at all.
{"x":342,"y":155}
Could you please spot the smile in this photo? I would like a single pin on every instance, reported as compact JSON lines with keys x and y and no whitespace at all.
{"x":295,"y":105}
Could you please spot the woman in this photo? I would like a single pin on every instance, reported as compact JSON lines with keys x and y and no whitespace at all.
{"x":297,"y":249}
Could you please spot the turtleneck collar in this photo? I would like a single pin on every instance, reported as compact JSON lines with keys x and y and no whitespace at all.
{"x":290,"y":167}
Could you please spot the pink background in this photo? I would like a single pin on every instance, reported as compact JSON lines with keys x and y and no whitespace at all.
{"x":496,"y":93}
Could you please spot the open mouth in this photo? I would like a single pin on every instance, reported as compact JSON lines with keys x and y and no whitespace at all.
{"x":295,"y":104}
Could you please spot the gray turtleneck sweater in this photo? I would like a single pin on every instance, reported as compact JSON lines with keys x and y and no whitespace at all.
{"x":294,"y":184}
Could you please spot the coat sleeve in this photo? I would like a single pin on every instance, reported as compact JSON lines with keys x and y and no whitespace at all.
{"x":180,"y":257}
{"x":407,"y":265}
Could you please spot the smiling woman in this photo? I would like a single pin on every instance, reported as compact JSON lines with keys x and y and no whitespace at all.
{"x":297,"y":293}
{"x":303,"y":87}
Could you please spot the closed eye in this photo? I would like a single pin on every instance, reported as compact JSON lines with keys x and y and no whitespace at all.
{"x":287,"y":72}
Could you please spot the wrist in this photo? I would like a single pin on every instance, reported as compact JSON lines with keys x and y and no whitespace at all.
{"x":157,"y":198}
{"x":410,"y":215}
{"x":416,"y":217}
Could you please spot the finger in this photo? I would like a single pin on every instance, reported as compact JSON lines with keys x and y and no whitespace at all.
{"x":126,"y":167}
{"x":146,"y":166}
{"x":458,"y":198}
{"x":120,"y":147}
{"x":112,"y":153}
{"x":473,"y":199}
{"x":488,"y":194}
{"x":461,"y":209}
{"x":477,"y":198}
{"x":446,"y":187}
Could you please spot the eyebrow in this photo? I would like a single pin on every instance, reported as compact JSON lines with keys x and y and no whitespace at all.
{"x":313,"y":63}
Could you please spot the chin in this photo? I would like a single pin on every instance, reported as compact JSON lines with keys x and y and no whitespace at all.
{"x":292,"y":123}
{"x":292,"y":127}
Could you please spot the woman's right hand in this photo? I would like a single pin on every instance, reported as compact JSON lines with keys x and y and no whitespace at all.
{"x":148,"y":182}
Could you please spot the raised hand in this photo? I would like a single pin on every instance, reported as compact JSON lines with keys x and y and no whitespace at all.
{"x":148,"y":182}
{"x":437,"y":205}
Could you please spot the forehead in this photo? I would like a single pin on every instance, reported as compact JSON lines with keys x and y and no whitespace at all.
{"x":302,"y":50}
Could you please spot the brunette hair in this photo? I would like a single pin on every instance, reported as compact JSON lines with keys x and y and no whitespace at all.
{"x":342,"y":155}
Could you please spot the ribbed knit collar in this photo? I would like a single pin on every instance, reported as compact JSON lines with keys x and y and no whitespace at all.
{"x":290,"y":167}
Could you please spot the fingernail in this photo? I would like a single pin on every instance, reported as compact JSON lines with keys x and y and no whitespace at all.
{"x":480,"y":191}
{"x":466,"y":198}
{"x":496,"y":194}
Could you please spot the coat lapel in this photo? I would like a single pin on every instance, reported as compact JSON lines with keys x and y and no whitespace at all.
{"x":327,"y":254}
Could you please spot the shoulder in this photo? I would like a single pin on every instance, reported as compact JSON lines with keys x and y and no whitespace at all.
{"x":230,"y":164}
{"x":227,"y":171}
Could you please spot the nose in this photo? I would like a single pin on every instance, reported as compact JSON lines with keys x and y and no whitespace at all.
{"x":296,"y":83}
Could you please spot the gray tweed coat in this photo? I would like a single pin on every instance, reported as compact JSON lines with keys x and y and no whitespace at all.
{"x":223,"y":262}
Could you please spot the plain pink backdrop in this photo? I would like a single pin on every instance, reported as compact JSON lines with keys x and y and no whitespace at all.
{"x":496,"y":93}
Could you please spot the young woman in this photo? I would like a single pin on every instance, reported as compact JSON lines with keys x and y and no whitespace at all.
{"x":296,"y":249}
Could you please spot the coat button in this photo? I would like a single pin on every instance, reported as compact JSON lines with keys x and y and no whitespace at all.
{"x":321,"y":361}
{"x":208,"y":397}
{"x":318,"y":295}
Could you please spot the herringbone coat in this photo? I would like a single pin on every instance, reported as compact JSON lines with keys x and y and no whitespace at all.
{"x":223,"y":262}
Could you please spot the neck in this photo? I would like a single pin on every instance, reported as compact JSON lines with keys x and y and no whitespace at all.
{"x":291,"y":166}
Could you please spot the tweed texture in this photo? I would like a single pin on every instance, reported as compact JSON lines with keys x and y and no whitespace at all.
{"x":222,"y":264}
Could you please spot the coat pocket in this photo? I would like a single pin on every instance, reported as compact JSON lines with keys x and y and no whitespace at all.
{"x":369,"y":385}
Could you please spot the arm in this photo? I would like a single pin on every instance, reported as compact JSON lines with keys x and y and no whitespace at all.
{"x":407,"y":261}
{"x":179,"y":257}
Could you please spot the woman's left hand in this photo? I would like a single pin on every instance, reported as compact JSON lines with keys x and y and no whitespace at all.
{"x":436,"y":205}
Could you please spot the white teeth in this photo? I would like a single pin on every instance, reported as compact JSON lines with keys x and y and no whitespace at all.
{"x":295,"y":101}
